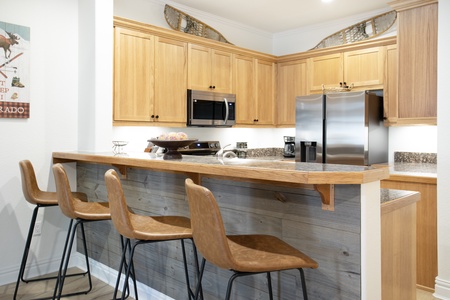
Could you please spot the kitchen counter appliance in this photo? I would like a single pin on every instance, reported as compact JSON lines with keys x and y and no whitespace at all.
{"x":201,"y":148}
{"x":341,"y":128}
{"x":210,"y":109}
{"x":289,"y":146}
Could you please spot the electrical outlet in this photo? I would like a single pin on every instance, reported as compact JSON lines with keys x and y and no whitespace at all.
{"x":37,"y":228}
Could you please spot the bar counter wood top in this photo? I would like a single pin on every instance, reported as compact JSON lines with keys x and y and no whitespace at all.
{"x":251,"y":169}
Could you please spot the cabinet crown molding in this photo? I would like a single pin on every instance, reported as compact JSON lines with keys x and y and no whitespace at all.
{"x":400,"y":5}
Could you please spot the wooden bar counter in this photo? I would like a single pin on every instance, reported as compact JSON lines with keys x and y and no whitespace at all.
{"x":330,"y":212}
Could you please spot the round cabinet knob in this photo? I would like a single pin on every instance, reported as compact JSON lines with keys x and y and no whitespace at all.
{"x":152,"y":116}
{"x":157,"y":116}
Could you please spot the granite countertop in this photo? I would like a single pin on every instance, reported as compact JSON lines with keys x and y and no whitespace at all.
{"x":387,"y":195}
{"x":254,"y":169}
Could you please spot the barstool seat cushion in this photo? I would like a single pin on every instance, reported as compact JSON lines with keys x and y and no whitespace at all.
{"x":265,"y":253}
{"x":160,"y":228}
{"x":91,"y":211}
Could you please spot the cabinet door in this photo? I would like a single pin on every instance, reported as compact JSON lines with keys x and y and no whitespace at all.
{"x":292,"y":82}
{"x":199,"y":59}
{"x":265,"y":92}
{"x":221,"y":71}
{"x":133,"y":75}
{"x":170,"y":81}
{"x":417,"y":60}
{"x":325,"y":70}
{"x":364,"y":68}
{"x":391,"y":86}
{"x":210,"y":69}
{"x":245,"y":89}
{"x":426,"y":225}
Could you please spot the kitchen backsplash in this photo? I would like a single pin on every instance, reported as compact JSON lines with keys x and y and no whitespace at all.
{"x":264,"y":152}
{"x":415,"y":157}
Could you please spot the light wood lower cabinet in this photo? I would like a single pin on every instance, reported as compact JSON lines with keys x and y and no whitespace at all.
{"x":398,"y":251}
{"x":426,"y":225}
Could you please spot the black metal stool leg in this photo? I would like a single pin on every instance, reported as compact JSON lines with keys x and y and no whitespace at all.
{"x":124,"y":266}
{"x":200,"y":276}
{"x":128,"y":272}
{"x":302,"y":278}
{"x":190,"y":293}
{"x":62,"y":273}
{"x":269,"y":284}
{"x":197,"y":269}
{"x":26,"y":250}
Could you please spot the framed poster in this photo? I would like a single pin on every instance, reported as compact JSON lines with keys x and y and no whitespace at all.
{"x":14,"y":71}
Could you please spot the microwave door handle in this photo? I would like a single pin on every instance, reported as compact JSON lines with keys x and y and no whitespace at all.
{"x":226,"y":111}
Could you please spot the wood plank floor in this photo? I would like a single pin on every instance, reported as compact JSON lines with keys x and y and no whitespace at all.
{"x":41,"y":289}
{"x":100,"y":290}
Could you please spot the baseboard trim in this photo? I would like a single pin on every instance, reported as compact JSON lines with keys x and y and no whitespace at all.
{"x":442,"y":289}
{"x":109,"y":276}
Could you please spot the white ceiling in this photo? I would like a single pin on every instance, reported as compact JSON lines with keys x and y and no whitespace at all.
{"x":277,"y":16}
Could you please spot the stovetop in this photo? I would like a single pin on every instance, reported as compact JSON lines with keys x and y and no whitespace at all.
{"x":201,"y":148}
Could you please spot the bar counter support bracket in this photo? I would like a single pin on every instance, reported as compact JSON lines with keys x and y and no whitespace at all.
{"x":122,"y":170}
{"x":326,"y":192}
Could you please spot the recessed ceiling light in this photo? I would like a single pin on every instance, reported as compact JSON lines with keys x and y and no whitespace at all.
{"x":327,"y":1}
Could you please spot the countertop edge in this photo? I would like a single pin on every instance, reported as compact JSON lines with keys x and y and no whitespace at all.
{"x":241,"y":171}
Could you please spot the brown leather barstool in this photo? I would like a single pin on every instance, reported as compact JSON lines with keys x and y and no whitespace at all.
{"x":242,"y":254}
{"x":35,"y":196}
{"x":143,"y":229}
{"x":80,"y":212}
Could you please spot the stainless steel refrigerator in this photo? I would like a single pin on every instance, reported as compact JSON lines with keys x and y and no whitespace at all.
{"x":341,"y":128}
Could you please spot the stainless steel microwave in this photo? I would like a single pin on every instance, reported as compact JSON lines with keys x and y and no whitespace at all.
{"x":210,"y":109}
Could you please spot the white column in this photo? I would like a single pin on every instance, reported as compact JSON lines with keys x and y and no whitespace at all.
{"x":442,"y":287}
{"x":370,"y":241}
{"x":95,"y":74}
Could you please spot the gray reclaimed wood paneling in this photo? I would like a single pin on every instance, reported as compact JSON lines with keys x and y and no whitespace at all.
{"x":331,"y":238}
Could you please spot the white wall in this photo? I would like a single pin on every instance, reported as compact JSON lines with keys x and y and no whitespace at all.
{"x":152,"y":12}
{"x":52,"y":126}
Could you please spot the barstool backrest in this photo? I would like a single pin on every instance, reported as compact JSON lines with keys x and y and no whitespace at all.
{"x":207,"y":225}
{"x":64,"y":194}
{"x":30,"y":186}
{"x":120,"y":214}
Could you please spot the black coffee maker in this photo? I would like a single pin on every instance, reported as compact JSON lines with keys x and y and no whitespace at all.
{"x":289,"y":146}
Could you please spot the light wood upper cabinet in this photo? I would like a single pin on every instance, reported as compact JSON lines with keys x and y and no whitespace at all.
{"x":390,"y":98}
{"x":210,"y":69}
{"x":292,"y":82}
{"x":364,"y":69}
{"x":254,"y":81}
{"x":265,"y":87}
{"x":133,"y":75}
{"x":150,"y":79}
{"x":244,"y":77}
{"x":170,"y":81}
{"x":417,"y":61}
{"x":325,"y":70}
